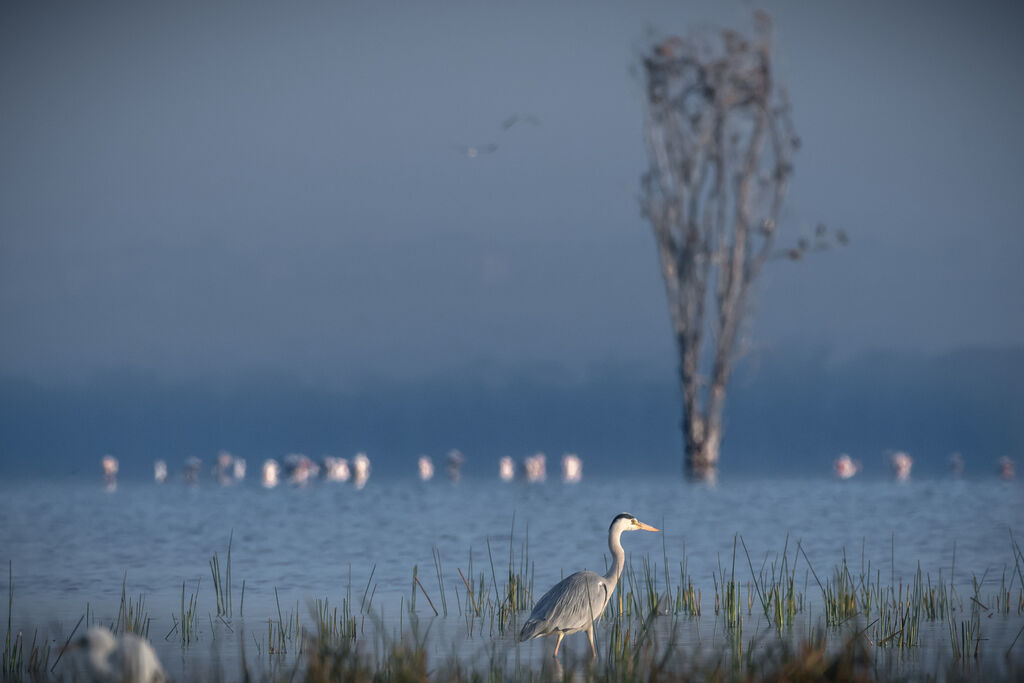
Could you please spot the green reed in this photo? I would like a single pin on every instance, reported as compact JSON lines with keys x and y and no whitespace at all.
{"x":899,"y":619}
{"x":416,"y":582}
{"x":131,"y":615}
{"x":436,"y":552}
{"x":13,"y":645}
{"x":39,"y":654}
{"x":728,"y":591}
{"x":638,"y":592}
{"x":965,"y":635}
{"x":67,"y":642}
{"x":687,"y":598}
{"x":222,"y":583}
{"x":187,"y":623}
{"x":775,"y":587}
{"x":330,"y":624}
{"x":512,"y":595}
{"x":14,"y":661}
{"x":403,"y":659}
{"x":840,"y":595}
{"x":1005,"y":600}
{"x":285,"y":632}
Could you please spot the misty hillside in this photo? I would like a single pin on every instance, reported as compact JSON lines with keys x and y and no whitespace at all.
{"x":788,"y":414}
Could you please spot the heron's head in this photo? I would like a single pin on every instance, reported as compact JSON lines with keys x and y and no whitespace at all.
{"x":627,"y":522}
{"x":97,"y":640}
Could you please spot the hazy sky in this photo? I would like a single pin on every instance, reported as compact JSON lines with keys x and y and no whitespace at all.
{"x":226,"y":187}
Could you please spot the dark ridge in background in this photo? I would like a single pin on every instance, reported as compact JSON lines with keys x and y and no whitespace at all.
{"x":789,"y":413}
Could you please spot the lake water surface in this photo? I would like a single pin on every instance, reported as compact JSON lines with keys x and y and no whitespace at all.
{"x":72,"y":543}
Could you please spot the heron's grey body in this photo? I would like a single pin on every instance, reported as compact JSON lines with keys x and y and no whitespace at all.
{"x":128,"y":659}
{"x":572,"y":605}
{"x":578,"y":600}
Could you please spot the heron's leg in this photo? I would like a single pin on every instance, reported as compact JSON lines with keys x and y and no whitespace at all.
{"x":561,"y":634}
{"x":590,"y":637}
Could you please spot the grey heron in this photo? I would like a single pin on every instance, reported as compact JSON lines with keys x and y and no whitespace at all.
{"x":128,"y":659}
{"x":575,"y":602}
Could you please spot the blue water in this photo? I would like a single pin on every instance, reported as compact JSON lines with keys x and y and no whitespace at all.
{"x":72,"y":543}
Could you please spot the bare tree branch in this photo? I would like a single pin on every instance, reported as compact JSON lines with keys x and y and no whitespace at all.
{"x":720,"y":144}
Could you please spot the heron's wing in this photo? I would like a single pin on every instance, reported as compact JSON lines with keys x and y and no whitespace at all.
{"x":571,"y":605}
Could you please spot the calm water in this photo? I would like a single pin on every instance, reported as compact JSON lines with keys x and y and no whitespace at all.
{"x":72,"y":543}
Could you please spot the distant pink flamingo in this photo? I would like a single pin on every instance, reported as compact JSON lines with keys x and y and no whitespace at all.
{"x":901,"y":463}
{"x":845,"y":467}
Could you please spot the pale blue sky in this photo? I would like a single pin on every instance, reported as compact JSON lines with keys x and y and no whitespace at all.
{"x":222,"y":188}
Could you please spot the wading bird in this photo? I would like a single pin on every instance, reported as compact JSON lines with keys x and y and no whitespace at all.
{"x":360,"y":470}
{"x":159,"y":471}
{"x":110,"y":468}
{"x":572,"y":468}
{"x":426,"y":467}
{"x":128,"y":659}
{"x":506,"y":468}
{"x":578,"y":600}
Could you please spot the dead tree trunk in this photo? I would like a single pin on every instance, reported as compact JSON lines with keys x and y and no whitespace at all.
{"x":719,"y":143}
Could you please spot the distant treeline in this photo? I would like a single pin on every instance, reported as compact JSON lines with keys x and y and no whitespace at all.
{"x":789,"y":413}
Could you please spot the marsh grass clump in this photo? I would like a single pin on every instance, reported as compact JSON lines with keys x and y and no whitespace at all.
{"x":687,"y":597}
{"x":287,"y":630}
{"x":330,"y":625}
{"x":811,"y":659}
{"x":641,"y":589}
{"x":132,"y":616}
{"x":14,"y":648}
{"x":840,"y":595}
{"x":652,"y":629}
{"x":642,"y":659}
{"x":515,"y":593}
{"x":186,"y":623}
{"x":775,"y":587}
{"x":965,"y":636}
{"x":14,"y":652}
{"x":328,"y":662}
{"x":14,"y":662}
{"x":376,"y":655}
{"x":344,"y":661}
{"x":1004,"y":599}
{"x":39,"y":654}
{"x":728,"y":598}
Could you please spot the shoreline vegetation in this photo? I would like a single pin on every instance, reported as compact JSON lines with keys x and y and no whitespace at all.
{"x":771,"y":618}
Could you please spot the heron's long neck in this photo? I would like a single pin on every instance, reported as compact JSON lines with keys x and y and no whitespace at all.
{"x":618,"y":556}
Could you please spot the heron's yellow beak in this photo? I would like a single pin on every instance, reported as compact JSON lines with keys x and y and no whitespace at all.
{"x":645,"y":527}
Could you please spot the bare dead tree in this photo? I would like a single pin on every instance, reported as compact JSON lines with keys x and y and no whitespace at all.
{"x":720,"y":143}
